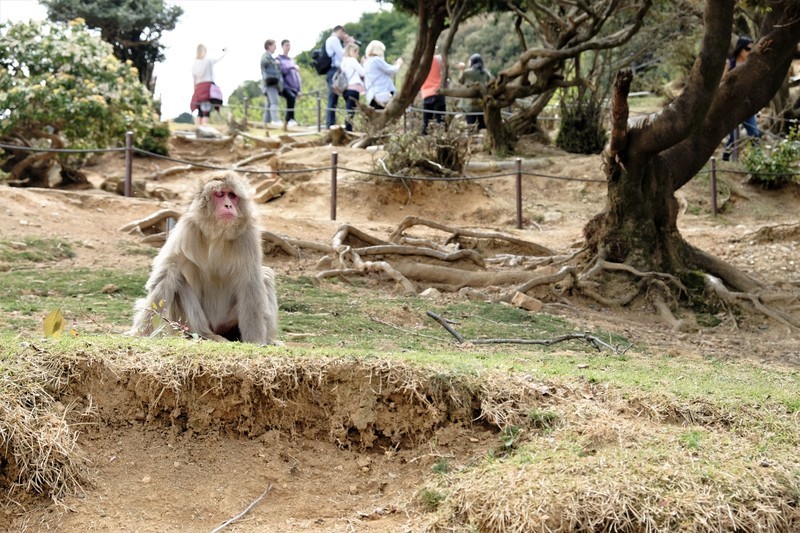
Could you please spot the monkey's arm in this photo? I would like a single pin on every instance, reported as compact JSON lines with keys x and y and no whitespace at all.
{"x":174,"y":273}
{"x":257,"y":302}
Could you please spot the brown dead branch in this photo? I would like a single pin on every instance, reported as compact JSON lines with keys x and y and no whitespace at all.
{"x":311,"y":245}
{"x":240,"y":515}
{"x":592,"y":340}
{"x":458,"y":278}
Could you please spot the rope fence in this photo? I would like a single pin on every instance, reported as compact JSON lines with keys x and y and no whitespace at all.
{"x":334,"y":168}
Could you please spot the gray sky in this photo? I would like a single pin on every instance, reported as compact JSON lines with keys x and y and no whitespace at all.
{"x":240,"y":25}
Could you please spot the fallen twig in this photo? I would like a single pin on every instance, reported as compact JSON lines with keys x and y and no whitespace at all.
{"x":596,"y":342}
{"x":247,"y":510}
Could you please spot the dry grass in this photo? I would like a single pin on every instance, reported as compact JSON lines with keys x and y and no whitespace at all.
{"x":617,"y":464}
{"x":37,"y":432}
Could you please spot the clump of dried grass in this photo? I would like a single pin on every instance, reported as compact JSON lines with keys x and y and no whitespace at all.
{"x":36,"y":435}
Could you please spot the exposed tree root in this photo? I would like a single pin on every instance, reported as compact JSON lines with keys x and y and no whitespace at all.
{"x":408,"y":222}
{"x":147,"y":223}
{"x":715,"y":286}
{"x":180,"y":169}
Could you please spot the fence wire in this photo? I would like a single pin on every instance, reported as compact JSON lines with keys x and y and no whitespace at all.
{"x":352,"y":170}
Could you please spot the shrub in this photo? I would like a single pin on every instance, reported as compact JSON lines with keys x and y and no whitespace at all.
{"x":773,"y":166}
{"x":62,"y":84}
{"x":582,"y":130}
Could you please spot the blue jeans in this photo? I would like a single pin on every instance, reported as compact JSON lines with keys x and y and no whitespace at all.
{"x":271,"y":106}
{"x":750,"y":127}
{"x":351,"y":101}
{"x":333,"y":98}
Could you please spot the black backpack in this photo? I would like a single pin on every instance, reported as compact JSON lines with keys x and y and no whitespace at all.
{"x":321,"y":60}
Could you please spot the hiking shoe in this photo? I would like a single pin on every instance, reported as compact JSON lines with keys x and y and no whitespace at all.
{"x":293,"y":122}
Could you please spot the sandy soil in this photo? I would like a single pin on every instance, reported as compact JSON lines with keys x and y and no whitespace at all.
{"x":151,"y":480}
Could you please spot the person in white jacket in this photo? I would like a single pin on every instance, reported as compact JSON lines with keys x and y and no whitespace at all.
{"x":379,"y":73}
{"x":355,"y":81}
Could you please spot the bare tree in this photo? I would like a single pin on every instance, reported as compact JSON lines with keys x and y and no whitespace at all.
{"x":567,"y":30}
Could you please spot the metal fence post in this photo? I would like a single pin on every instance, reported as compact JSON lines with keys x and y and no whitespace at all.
{"x":519,"y":192}
{"x":334,"y":164}
{"x":128,"y":163}
{"x":714,"y":186}
{"x":319,"y":113}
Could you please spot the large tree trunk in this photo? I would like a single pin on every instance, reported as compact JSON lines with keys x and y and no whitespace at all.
{"x":648,"y":159}
{"x":499,"y":138}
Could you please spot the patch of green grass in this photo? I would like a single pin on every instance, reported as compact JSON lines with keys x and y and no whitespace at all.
{"x":431,"y":499}
{"x":147,"y":251}
{"x":691,"y":439}
{"x":442,"y":466}
{"x":541,"y":419}
{"x":21,"y":252}
{"x":353,"y":318}
{"x":26,"y":296}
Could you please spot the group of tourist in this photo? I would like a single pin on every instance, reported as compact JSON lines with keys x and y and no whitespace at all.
{"x":370,"y":76}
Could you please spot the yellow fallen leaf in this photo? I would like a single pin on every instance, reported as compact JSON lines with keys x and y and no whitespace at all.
{"x":53,"y":324}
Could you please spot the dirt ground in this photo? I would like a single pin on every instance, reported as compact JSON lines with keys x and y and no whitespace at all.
{"x":151,"y":480}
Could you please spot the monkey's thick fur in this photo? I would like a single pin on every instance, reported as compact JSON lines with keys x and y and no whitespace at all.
{"x":209,"y":273}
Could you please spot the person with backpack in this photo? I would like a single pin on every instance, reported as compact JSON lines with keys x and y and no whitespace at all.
{"x":290,"y":73}
{"x":334,"y":49}
{"x":475,"y":74}
{"x":271,"y":84}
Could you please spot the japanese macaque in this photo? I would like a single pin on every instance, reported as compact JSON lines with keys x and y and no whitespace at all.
{"x":208,"y":277}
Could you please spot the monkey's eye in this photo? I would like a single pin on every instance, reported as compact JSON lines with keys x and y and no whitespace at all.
{"x":219,"y":194}
{"x":232,"y":195}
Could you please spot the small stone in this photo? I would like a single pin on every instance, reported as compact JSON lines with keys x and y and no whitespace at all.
{"x":526,"y":302}
{"x":353,"y":489}
{"x":430,"y":293}
{"x":146,"y":479}
{"x":552,"y":216}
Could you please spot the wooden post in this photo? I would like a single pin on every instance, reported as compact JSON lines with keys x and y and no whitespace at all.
{"x":245,"y":102}
{"x":128,"y":163}
{"x":713,"y":186}
{"x":519,"y":193}
{"x":334,"y":164}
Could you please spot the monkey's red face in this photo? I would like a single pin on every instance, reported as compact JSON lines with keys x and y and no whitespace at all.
{"x":226,"y":205}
